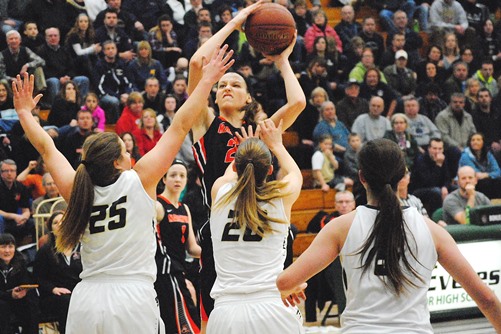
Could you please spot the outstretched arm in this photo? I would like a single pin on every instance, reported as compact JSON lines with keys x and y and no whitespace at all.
{"x":156,"y":162}
{"x":58,"y":166}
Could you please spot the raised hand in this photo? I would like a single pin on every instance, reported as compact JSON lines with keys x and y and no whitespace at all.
{"x":219,"y":63}
{"x":23,"y":93}
{"x":270,"y":134}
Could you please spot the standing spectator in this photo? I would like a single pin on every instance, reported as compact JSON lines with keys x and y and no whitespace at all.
{"x":144,"y":67}
{"x":66,"y":106}
{"x":14,"y":203}
{"x":152,"y":96}
{"x":372,"y":125}
{"x":387,"y":9}
{"x":148,"y":133}
{"x":320,"y":27}
{"x":70,"y":142}
{"x":129,"y":120}
{"x":458,"y":202}
{"x":110,"y":31}
{"x":352,"y":105}
{"x":401,"y":78}
{"x":111,"y":81}
{"x":164,"y":42}
{"x":59,"y":66}
{"x":372,"y":38}
{"x":348,"y":27}
{"x":419,"y":126}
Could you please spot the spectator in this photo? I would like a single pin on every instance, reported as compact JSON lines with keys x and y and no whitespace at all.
{"x":460,"y":201}
{"x":66,"y":105}
{"x":71,"y":139}
{"x":470,"y":56}
{"x":309,"y":118}
{"x":144,"y":67}
{"x":324,"y":165}
{"x":419,"y":126}
{"x":432,"y":76}
{"x":433,"y":55}
{"x":320,"y":27}
{"x":367,"y":62}
{"x":315,"y":76}
{"x":129,"y":120}
{"x":191,"y":16}
{"x":372,"y":125}
{"x":372,"y":38}
{"x":448,"y":16}
{"x":191,"y":46}
{"x":99,"y":118}
{"x":333,"y":60}
{"x":6,"y":102}
{"x":57,"y":273}
{"x":451,"y":50}
{"x":51,"y":191}
{"x":373,"y":86}
{"x":484,"y":76}
{"x":471,"y":94}
{"x":350,"y":158}
{"x":352,"y":105}
{"x":397,"y":44}
{"x":302,"y":17}
{"x":148,"y":133}
{"x":32,"y":38}
{"x":110,"y":31}
{"x":387,"y":8}
{"x":49,"y":14}
{"x":152,"y":96}
{"x":478,"y":157}
{"x":14,"y":203}
{"x":431,"y":180}
{"x":401,"y":78}
{"x":457,"y":81}
{"x":430,"y":103}
{"x":490,"y":44}
{"x":131,"y":147}
{"x":413,"y":41}
{"x":180,"y":70}
{"x":164,"y":42}
{"x":407,"y":199}
{"x":348,"y":27}
{"x":146,"y":13}
{"x":81,"y":41}
{"x":31,"y":177}
{"x":487,"y":120}
{"x":179,"y":87}
{"x":111,"y":81}
{"x":403,"y":138}
{"x":15,"y":300}
{"x":353,"y":54}
{"x":59,"y":66}
{"x":333,"y":127}
{"x":225,"y":16}
{"x":476,"y":14}
{"x":127,"y":21}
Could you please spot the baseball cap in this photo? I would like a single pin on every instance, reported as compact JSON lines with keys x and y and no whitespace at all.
{"x":401,"y":53}
{"x":352,"y":81}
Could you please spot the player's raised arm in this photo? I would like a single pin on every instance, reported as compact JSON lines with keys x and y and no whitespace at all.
{"x":59,"y":167}
{"x":156,"y":162}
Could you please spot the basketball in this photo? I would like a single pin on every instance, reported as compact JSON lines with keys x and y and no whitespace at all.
{"x":270,"y":29}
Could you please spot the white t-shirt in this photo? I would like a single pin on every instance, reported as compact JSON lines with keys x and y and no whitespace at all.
{"x":371,"y":307}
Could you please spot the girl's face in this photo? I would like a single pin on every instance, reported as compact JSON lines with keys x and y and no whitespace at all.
{"x":431,"y":70}
{"x":56,"y":224}
{"x":467,"y":56}
{"x":144,"y":53}
{"x":450,"y":42}
{"x":7,"y":253}
{"x":321,"y":45}
{"x":232,"y":92}
{"x":319,"y":19}
{"x":91,"y":103}
{"x":474,"y":87}
{"x":166,"y":26}
{"x":226,"y":16}
{"x":123,"y":162}
{"x":170,"y":104}
{"x":488,"y":27}
{"x":476,"y":142}
{"x":326,"y":145}
{"x":148,"y":120}
{"x":3,"y":93}
{"x":176,"y":178}
{"x":70,"y":92}
{"x":83,"y":23}
{"x":129,"y":142}
{"x":435,"y":54}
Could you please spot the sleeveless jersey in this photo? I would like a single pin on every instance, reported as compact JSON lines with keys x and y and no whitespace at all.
{"x":120,"y":237}
{"x":370,"y":306}
{"x":173,"y":231}
{"x":245,"y":262}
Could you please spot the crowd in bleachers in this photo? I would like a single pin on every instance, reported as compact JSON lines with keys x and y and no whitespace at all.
{"x":422,"y":73}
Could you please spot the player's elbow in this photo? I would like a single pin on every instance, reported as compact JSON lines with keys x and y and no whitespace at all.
{"x":283,"y":283}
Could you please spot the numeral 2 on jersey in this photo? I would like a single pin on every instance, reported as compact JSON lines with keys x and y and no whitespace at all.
{"x":229,"y":236}
{"x":116,"y":218}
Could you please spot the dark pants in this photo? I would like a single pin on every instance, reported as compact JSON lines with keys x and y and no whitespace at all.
{"x":56,"y":307}
{"x":23,"y":311}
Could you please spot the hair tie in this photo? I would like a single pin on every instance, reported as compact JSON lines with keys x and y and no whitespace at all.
{"x":249,"y":161}
{"x":85,"y":163}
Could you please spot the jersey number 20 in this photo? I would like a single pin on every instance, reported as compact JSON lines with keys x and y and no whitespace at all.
{"x":116,"y":216}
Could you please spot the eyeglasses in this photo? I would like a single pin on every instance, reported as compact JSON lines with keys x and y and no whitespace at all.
{"x":9,"y":170}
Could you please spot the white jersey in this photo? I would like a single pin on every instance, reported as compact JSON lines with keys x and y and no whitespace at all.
{"x":371,"y":307}
{"x":246,"y":263}
{"x":120,"y":239}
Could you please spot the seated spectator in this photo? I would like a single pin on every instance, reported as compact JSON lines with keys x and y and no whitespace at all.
{"x":333,"y":60}
{"x":6,"y":102}
{"x":191,"y":46}
{"x":484,"y":76}
{"x":431,"y":180}
{"x":152,"y":96}
{"x":460,"y":201}
{"x":225,"y":16}
{"x":401,"y":78}
{"x":324,"y":165}
{"x":15,"y":300}
{"x":179,"y":87}
{"x":146,"y":13}
{"x":372,"y":125}
{"x":373,"y":40}
{"x":419,"y":126}
{"x":487,"y":172}
{"x":57,"y":273}
{"x":350,"y":162}
{"x":374,"y":86}
{"x":487,"y":120}
{"x":471,"y":56}
{"x":49,"y":14}
{"x":387,"y":10}
{"x":131,"y":147}
{"x":110,"y":31}
{"x":164,"y":42}
{"x":66,"y":105}
{"x":403,"y":138}
{"x":476,"y":14}
{"x":71,"y":138}
{"x":320,"y":27}
{"x":407,"y":199}
{"x":471,"y":94}
{"x":330,"y":125}
{"x":309,"y":118}
{"x":431,"y":76}
{"x":433,"y":55}
{"x":144,"y":67}
{"x":31,"y":177}
{"x":430,"y":103}
{"x":126,"y":21}
{"x":353,"y":54}
{"x":361,"y":68}
{"x":81,"y":41}
{"x":315,"y":76}
{"x":352,"y":105}
{"x":148,"y":134}
{"x":302,"y":17}
{"x":413,"y":41}
{"x":490,"y":43}
{"x":91,"y":102}
{"x":129,"y":120}
{"x":456,"y":83}
{"x":447,"y":16}
{"x":111,"y":81}
{"x":59,"y":66}
{"x":348,"y":27}
{"x":32,"y":38}
{"x":15,"y":216}
{"x":450,"y":50}
{"x":397,"y":43}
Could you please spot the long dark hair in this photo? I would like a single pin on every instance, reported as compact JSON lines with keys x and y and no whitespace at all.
{"x":52,"y":237}
{"x":482,"y":156}
{"x":382,"y":166}
{"x":99,"y":153}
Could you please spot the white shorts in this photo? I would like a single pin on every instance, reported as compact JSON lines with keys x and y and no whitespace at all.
{"x":105,"y":306}
{"x":250,"y":315}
